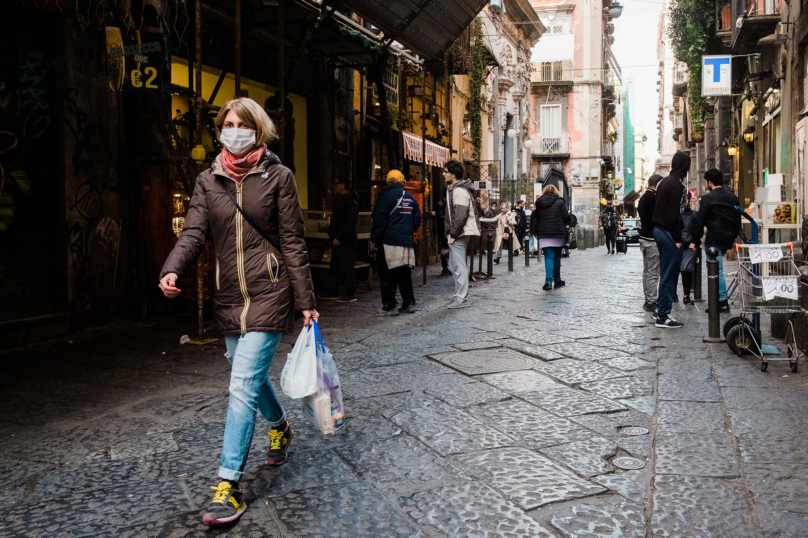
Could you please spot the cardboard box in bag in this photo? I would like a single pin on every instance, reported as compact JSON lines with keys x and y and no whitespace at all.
{"x":317,"y":408}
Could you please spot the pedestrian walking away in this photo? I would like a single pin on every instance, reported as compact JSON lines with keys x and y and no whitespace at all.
{"x":521,"y":224}
{"x":440,"y":215}
{"x":395,"y":219}
{"x":342,"y":233}
{"x":691,"y":242}
{"x":648,"y":247}
{"x":671,"y":199}
{"x":262,"y":276}
{"x":506,"y":224}
{"x":533,"y":246}
{"x":549,"y":224}
{"x":609,"y":223}
{"x":723,"y":222}
{"x":463,"y":223}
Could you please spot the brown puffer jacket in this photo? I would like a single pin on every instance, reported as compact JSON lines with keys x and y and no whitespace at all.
{"x":257,"y":287}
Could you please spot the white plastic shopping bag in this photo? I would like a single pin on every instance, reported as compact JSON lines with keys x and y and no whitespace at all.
{"x":324,"y":408}
{"x":299,"y":375}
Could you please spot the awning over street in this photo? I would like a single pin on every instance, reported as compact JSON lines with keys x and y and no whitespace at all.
{"x":435,"y":155}
{"x":428,"y":27}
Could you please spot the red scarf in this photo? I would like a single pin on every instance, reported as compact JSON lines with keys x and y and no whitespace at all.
{"x":237,"y":167}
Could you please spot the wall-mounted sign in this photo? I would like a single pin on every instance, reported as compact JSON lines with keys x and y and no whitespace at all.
{"x":716,"y":75}
{"x":390,"y":88}
{"x":138,"y":62}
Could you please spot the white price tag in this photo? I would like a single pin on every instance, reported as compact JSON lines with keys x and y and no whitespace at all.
{"x":765,"y":253}
{"x":781,"y":286}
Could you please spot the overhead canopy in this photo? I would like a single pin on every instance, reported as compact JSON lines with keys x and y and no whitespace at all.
{"x":427,"y":27}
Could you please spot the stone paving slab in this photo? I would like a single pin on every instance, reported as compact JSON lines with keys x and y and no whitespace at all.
{"x":772,"y":422}
{"x":528,"y":479}
{"x":447,"y":430}
{"x":566,"y":402}
{"x":690,"y":388}
{"x":520,"y":381}
{"x":700,"y":507}
{"x":628,"y":364}
{"x":532,"y":350}
{"x":643,"y":404}
{"x":760,"y":447}
{"x":633,"y":485}
{"x":306,"y":470}
{"x":588,"y":351}
{"x":690,"y":417}
{"x":620,"y":387}
{"x":460,"y":391}
{"x":611,"y":516}
{"x":343,"y":511}
{"x":536,"y":337}
{"x":531,"y":426}
{"x":586,"y":458}
{"x":486,"y":361}
{"x":470,"y":510}
{"x":574,"y":372}
{"x":696,"y":454}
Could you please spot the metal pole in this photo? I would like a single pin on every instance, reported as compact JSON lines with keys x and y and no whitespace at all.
{"x":526,"y":248}
{"x":480,"y":244}
{"x":423,"y":176}
{"x":490,"y":255}
{"x":510,"y":252}
{"x":697,"y":278}
{"x":198,"y":68}
{"x":714,"y":336}
{"x":281,"y":82}
{"x":237,"y":71}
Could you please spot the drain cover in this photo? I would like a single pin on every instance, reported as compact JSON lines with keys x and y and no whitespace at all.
{"x":488,"y":361}
{"x":633,"y":430}
{"x":628,"y":464}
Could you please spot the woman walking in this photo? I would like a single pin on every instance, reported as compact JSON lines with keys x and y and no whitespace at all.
{"x":549,"y":224}
{"x":247,"y":204}
{"x":506,"y":226}
{"x":691,"y":242}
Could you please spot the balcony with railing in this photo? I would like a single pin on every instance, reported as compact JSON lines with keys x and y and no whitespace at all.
{"x":752,"y":20}
{"x":607,"y":150}
{"x":677,"y":123}
{"x":547,"y":146}
{"x":680,"y":79}
{"x":548,"y":72}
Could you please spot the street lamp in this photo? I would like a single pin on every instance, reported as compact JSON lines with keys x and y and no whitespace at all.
{"x":644,"y":139}
{"x":615,"y":10}
{"x":749,"y":134}
{"x":528,"y":143}
{"x":732,"y":150}
{"x":511,"y":133}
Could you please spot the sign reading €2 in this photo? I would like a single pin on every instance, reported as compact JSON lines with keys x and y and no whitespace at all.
{"x":137,"y":62}
{"x":716,"y":75}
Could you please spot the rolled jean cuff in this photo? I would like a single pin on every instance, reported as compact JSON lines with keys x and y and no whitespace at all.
{"x":280,"y":421}
{"x":227,"y":474}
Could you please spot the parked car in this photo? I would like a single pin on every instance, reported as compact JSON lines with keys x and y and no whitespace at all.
{"x":630,"y":230}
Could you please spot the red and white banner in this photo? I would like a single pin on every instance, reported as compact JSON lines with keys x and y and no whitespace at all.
{"x":435,"y":155}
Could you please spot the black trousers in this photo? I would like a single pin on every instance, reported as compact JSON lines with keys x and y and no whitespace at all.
{"x":341,"y":269}
{"x":611,"y":237}
{"x":390,"y":279}
{"x":687,"y":282}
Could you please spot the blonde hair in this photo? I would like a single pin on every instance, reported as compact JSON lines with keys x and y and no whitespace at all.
{"x":252,"y":114}
{"x":550,"y":188}
{"x":505,"y":204}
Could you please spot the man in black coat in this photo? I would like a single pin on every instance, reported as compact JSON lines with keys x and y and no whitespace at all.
{"x":521,"y":224}
{"x":717,"y":212}
{"x":671,"y":199}
{"x":650,"y":253}
{"x":342,"y":233}
{"x":396,"y":216}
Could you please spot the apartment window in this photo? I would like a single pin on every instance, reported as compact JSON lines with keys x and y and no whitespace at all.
{"x":551,"y":128}
{"x":552,"y":71}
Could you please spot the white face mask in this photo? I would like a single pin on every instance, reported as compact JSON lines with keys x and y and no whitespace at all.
{"x":238,"y":141}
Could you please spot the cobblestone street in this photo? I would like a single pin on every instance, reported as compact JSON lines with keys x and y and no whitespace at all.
{"x":499,"y":420}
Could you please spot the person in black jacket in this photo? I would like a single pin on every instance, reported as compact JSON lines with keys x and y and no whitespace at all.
{"x":717,"y":212}
{"x":549,"y":224}
{"x":396,"y":216}
{"x":521,"y":224}
{"x":671,"y":199}
{"x":440,"y":215}
{"x":650,"y":253}
{"x":342,"y":233}
{"x":691,"y":242}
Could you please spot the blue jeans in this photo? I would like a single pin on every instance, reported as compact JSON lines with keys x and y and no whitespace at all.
{"x":552,"y":264}
{"x":722,"y":283}
{"x":250,"y":390}
{"x":670,"y":258}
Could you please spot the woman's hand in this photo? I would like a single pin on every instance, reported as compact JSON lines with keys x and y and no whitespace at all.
{"x":167,"y":285}
{"x":692,"y":246}
{"x":309,"y":316}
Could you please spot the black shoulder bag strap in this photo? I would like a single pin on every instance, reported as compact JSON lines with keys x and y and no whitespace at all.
{"x":247,"y":217}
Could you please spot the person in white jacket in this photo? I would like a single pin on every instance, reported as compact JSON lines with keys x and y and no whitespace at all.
{"x":462,"y":222}
{"x":506,"y":224}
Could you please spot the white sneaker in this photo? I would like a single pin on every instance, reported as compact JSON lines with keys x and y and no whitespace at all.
{"x":459,"y":303}
{"x":667,"y":322}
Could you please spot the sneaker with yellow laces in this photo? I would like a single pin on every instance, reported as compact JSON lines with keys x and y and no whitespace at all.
{"x":279,"y":439}
{"x":227,"y":505}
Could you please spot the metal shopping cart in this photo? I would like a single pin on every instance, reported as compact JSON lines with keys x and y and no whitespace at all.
{"x":768,"y":283}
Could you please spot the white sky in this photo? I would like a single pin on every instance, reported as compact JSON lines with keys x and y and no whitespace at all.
{"x":635,"y":40}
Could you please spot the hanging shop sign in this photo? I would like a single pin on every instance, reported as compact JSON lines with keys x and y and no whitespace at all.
{"x":138,"y":61}
{"x":716,"y":75}
{"x":390,"y":80}
{"x":435,"y":155}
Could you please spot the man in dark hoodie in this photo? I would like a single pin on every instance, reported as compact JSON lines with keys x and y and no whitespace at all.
{"x":462,"y":223}
{"x":342,"y":233}
{"x":717,"y":212}
{"x":671,"y":199}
